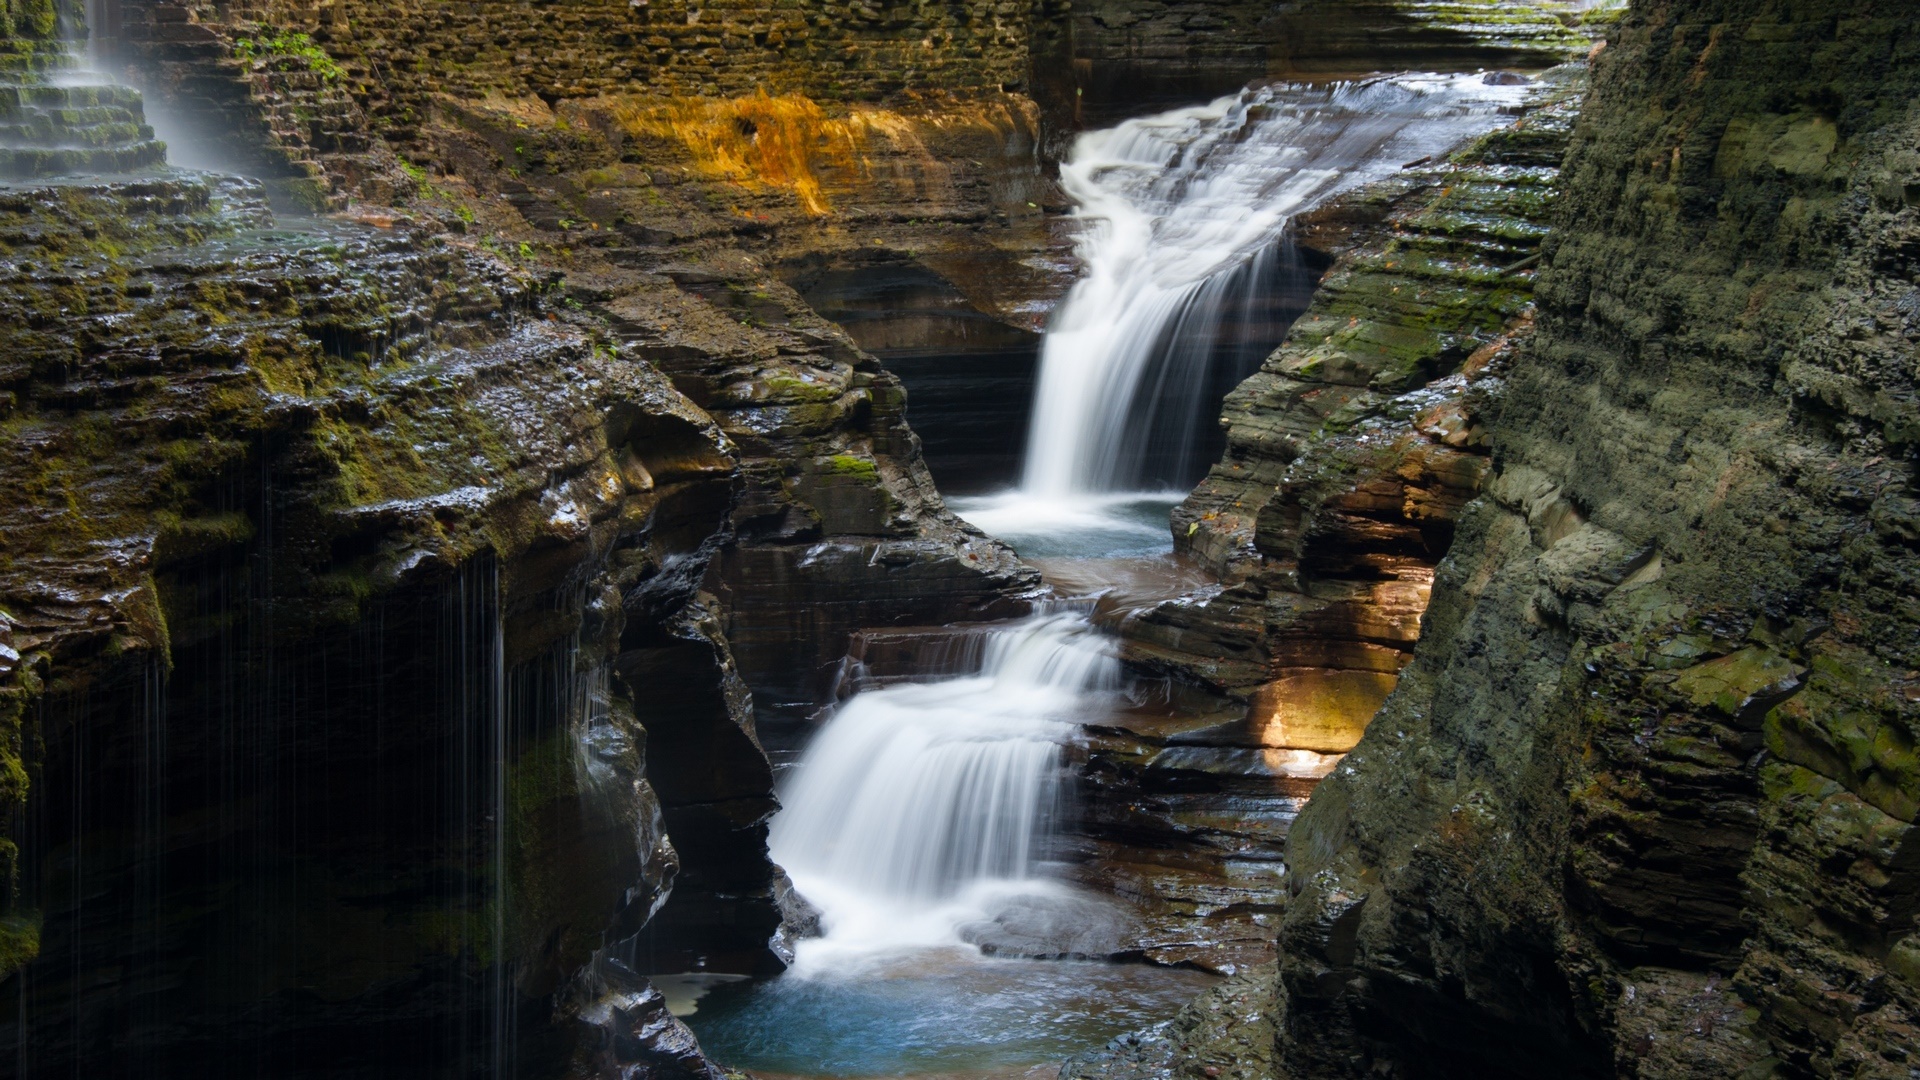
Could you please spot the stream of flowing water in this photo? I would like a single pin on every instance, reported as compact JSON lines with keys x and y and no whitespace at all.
{"x":921,"y":807}
{"x":921,"y":819}
{"x":918,"y":823}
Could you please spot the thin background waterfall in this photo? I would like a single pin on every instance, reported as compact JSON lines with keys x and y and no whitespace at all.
{"x":1183,"y":220}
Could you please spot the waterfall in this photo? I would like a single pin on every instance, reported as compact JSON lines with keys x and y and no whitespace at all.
{"x":916,"y":801}
{"x":1182,"y":222}
{"x":1175,"y":209}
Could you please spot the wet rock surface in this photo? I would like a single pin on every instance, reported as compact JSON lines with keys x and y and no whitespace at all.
{"x":543,"y":468}
{"x":260,"y":458}
{"x":1605,"y":825}
{"x":840,"y":525}
{"x":532,"y":510}
{"x":630,"y":1032}
{"x":1226,"y":1032}
{"x":1106,"y":60}
{"x":1350,"y":457}
{"x":52,"y":122}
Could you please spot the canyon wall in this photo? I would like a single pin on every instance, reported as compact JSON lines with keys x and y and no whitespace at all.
{"x":1350,"y":457}
{"x":321,"y":547}
{"x":388,"y":597}
{"x":1103,"y":60}
{"x":393,"y":604}
{"x":1642,"y":803}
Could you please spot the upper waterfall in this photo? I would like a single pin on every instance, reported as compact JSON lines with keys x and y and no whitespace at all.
{"x":1181,"y":214}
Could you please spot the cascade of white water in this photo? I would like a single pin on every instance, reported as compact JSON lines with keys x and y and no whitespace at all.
{"x":912,"y":795}
{"x":1172,"y":209}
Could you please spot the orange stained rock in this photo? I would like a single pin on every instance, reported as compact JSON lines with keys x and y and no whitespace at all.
{"x":1321,"y":710}
{"x":789,"y":142}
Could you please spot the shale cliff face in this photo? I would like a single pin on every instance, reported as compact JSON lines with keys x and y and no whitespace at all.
{"x":326,"y":547}
{"x":1100,"y":59}
{"x":1643,"y":802}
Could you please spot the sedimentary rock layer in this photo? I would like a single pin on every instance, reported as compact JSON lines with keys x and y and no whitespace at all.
{"x":388,"y":590}
{"x":1102,"y":60}
{"x":323,"y":543}
{"x":1642,"y":804}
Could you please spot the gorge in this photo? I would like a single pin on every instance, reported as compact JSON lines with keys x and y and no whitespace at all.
{"x":1092,"y":538}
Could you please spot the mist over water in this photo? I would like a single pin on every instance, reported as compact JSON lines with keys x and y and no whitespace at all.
{"x":1183,"y":220}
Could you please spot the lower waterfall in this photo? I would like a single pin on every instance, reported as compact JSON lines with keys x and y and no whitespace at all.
{"x":919,"y":822}
{"x":919,"y":806}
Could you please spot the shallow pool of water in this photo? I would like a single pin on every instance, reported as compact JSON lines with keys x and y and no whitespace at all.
{"x":1128,"y":524}
{"x":934,"y":1012}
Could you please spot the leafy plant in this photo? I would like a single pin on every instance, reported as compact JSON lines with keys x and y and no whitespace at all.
{"x":293,"y":44}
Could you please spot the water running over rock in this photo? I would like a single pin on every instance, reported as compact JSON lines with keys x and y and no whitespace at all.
{"x":922,"y":818}
{"x":1184,"y":218}
{"x":59,"y":119}
{"x":919,"y":821}
{"x":922,"y":808}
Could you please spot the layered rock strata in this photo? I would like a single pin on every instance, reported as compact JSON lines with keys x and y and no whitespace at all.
{"x":1642,"y":804}
{"x":1099,"y":61}
{"x":52,"y":124}
{"x":325,"y":545}
{"x":672,"y":220}
{"x":840,"y":526}
{"x":406,"y":575}
{"x":396,"y":59}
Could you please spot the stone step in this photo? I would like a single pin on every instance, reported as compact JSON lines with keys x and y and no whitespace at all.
{"x":34,"y":58}
{"x":15,"y":99}
{"x":42,"y":132}
{"x":68,"y":130}
{"x":37,"y":162}
{"x":33,"y":67}
{"x":50,"y":131}
{"x":76,"y":117}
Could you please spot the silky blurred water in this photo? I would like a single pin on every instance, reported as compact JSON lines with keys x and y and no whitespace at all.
{"x":1182,"y":217}
{"x":920,"y":820}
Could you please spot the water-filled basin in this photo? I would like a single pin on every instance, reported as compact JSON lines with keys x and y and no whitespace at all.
{"x":933,"y":1012}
